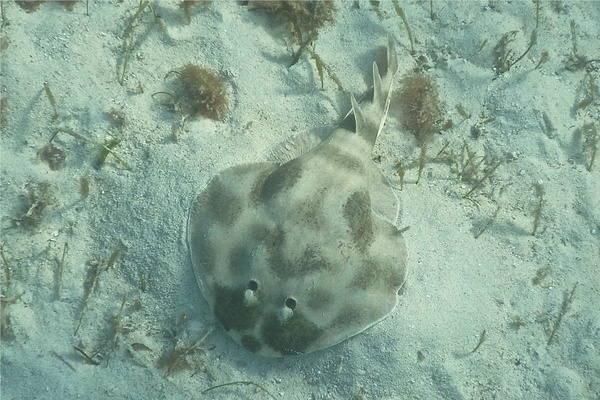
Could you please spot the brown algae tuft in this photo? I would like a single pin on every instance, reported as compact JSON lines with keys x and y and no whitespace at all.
{"x":197,"y":91}
{"x":53,"y":156}
{"x":302,"y":20}
{"x":420,"y":108}
{"x":36,"y":202}
{"x":204,"y":92}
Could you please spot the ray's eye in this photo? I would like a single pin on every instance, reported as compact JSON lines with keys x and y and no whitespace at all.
{"x":252,"y":285}
{"x":291,"y":303}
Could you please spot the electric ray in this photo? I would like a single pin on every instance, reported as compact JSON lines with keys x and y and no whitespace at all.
{"x":298,"y":255}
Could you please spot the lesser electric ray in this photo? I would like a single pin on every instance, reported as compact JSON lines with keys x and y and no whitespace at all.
{"x":299,"y":255}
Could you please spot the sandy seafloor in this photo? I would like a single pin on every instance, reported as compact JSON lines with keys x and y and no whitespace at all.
{"x":457,"y":285}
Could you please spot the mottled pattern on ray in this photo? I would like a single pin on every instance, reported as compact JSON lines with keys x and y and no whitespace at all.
{"x":301,"y":252}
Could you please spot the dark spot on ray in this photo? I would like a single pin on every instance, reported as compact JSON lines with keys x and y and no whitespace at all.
{"x":357,"y":212}
{"x":378,"y":274}
{"x":272,"y":238}
{"x":239,"y":259}
{"x":310,"y":213}
{"x":273,"y":241}
{"x":347,"y":317}
{"x":250,"y":343}
{"x":367,"y":276}
{"x":221,"y":203}
{"x":257,"y":185}
{"x":342,"y":160}
{"x":290,"y":337}
{"x":284,"y":177}
{"x":231,"y":311}
{"x":318,"y":300}
{"x":312,"y":260}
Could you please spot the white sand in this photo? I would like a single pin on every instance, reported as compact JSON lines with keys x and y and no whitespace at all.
{"x":457,"y":286}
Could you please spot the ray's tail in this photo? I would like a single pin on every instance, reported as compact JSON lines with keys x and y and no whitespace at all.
{"x":367,"y":117}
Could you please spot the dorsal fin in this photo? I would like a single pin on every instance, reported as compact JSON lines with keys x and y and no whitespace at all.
{"x":374,"y":105}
